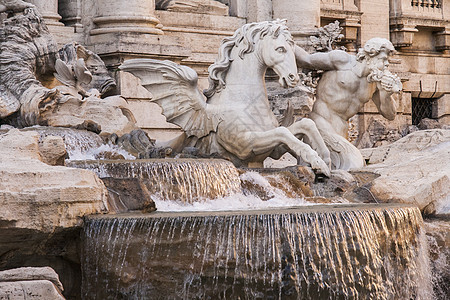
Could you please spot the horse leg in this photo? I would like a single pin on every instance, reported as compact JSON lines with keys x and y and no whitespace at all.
{"x":308,"y":128}
{"x":263,"y":142}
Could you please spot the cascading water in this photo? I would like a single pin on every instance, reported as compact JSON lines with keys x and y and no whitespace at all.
{"x":81,"y":144}
{"x":185,"y":180}
{"x":320,"y":252}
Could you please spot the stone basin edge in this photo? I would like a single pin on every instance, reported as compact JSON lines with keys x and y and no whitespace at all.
{"x":266,"y":211}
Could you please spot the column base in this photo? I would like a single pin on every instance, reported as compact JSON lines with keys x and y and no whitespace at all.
{"x":119,"y":24}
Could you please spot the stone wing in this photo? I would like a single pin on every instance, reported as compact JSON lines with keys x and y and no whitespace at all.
{"x":64,"y":73}
{"x":174,"y":89}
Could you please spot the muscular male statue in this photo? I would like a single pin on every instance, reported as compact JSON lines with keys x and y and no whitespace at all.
{"x":348,"y":83}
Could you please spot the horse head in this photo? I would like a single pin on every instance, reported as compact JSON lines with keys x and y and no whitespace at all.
{"x":270,"y":41}
{"x":277,"y":52}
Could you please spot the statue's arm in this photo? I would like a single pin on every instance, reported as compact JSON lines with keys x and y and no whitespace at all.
{"x":385,"y":103}
{"x":384,"y":95}
{"x":333,"y":60}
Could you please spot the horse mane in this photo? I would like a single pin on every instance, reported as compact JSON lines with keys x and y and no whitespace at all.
{"x":247,"y":35}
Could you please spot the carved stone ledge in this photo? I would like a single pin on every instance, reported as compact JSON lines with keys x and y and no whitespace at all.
{"x":413,"y":21}
{"x":114,"y":47}
{"x":403,"y":36}
{"x":350,"y":22}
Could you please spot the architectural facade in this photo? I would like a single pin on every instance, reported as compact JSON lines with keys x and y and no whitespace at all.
{"x":189,"y":32}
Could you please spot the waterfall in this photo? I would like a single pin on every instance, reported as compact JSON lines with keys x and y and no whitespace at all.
{"x":185,"y":180}
{"x":81,"y":144}
{"x":318,"y":252}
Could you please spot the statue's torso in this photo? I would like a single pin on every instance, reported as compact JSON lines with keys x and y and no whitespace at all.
{"x":340,"y":95}
{"x":344,"y":92}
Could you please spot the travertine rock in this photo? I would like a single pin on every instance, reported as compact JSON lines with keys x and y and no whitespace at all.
{"x":378,"y":133}
{"x":111,"y":114}
{"x":429,"y":124}
{"x":414,"y":169}
{"x":53,"y":150}
{"x":438,"y":236}
{"x":29,"y":290}
{"x":125,"y":194}
{"x":37,"y":196}
{"x":30,"y":283}
{"x":299,"y":98}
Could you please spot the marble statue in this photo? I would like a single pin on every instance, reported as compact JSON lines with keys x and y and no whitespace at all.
{"x":236,"y":120}
{"x":27,"y":55}
{"x":349,"y":82}
{"x":40,"y":85}
{"x":14,"y":5}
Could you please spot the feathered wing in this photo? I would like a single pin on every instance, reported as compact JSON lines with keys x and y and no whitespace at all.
{"x":174,"y":89}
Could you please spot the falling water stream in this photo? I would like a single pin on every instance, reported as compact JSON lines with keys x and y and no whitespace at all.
{"x":185,"y":180}
{"x":313,"y":252}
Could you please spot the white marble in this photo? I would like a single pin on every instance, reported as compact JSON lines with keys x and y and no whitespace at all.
{"x":349,"y":82}
{"x":236,"y":121}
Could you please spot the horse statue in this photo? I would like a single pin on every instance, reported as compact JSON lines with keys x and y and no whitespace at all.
{"x":236,"y":121}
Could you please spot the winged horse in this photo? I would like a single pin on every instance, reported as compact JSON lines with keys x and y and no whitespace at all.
{"x":235,"y":120}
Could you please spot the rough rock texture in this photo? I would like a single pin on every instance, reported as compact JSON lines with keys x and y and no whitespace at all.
{"x":53,"y":150}
{"x":300,"y":99}
{"x":37,"y":196}
{"x":27,"y":290}
{"x":42,"y":207}
{"x":110,"y":115}
{"x":299,"y":182}
{"x":125,"y":194}
{"x":431,"y":124}
{"x":415,"y":169}
{"x":379,"y":133}
{"x":30,"y":283}
{"x":438,"y":236}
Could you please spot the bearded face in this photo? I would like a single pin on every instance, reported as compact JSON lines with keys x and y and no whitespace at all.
{"x":379,"y":73}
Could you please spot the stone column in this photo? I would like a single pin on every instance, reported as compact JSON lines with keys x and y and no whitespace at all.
{"x":259,"y":10}
{"x":302,"y":15}
{"x":70,"y":11}
{"x":121,"y":16}
{"x":49,"y":11}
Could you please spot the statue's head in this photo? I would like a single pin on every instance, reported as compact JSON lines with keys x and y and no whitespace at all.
{"x":375,"y":53}
{"x":273,"y":43}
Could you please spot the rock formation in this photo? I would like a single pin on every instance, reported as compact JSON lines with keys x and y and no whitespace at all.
{"x":413,"y":170}
{"x":30,"y":283}
{"x":30,"y":189}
